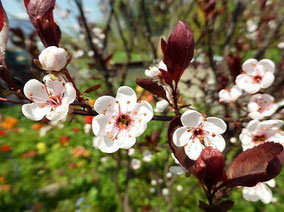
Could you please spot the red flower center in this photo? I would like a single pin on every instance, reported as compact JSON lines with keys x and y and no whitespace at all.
{"x":123,"y":121}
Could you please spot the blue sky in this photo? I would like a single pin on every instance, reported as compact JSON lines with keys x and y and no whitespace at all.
{"x":16,"y":10}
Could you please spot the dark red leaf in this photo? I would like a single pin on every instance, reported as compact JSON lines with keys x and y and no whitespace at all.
{"x":152,"y":87}
{"x":2,"y":15}
{"x":221,"y":207}
{"x":41,"y":16}
{"x":179,"y":50}
{"x":93,"y":88}
{"x":210,"y":166}
{"x":258,"y":164}
{"x":4,"y":34}
{"x":163,"y":45}
{"x":178,"y":151}
{"x":235,"y":65}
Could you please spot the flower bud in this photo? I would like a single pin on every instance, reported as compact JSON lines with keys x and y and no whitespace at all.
{"x":53,"y":58}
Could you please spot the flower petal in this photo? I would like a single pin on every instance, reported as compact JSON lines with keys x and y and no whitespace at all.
{"x":181,"y":136}
{"x":105,"y":144}
{"x":253,"y":106}
{"x":138,"y":128}
{"x":99,"y":124}
{"x":70,"y":94}
{"x":191,"y":118}
{"x":245,"y":137}
{"x":265,"y":193}
{"x":256,"y":115}
{"x":34,"y":111}
{"x":193,"y":149}
{"x":215,"y":125}
{"x":264,"y":125}
{"x":249,"y":65}
{"x":177,"y":170}
{"x":35,"y":91}
{"x":216,"y":142}
{"x":106,"y":104}
{"x":127,"y":98}
{"x":246,"y":83}
{"x":249,"y":194}
{"x":55,"y":86}
{"x":252,"y":125}
{"x":268,"y":65}
{"x":142,"y":110}
{"x":271,"y":183}
{"x":125,"y":140}
{"x":267,"y":80}
{"x":58,"y":113}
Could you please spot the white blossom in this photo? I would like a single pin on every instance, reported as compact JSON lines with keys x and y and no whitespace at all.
{"x":260,"y":191}
{"x":261,"y":105}
{"x":169,"y":175}
{"x":177,"y":169}
{"x":179,"y":188}
{"x":51,"y":99}
{"x":87,"y":128}
{"x":256,"y":75}
{"x":153,"y":182}
{"x":198,"y":132}
{"x":53,"y":58}
{"x":165,"y":191}
{"x":161,"y":106}
{"x":233,"y":140}
{"x":258,"y":132}
{"x":154,"y":72}
{"x":152,"y":190}
{"x":135,"y":164}
{"x":147,"y":156}
{"x":230,"y":94}
{"x":120,"y":120}
{"x":131,"y":151}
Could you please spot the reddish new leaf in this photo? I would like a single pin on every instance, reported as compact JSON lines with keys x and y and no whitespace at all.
{"x":152,"y":87}
{"x":41,"y":16}
{"x":4,"y":34}
{"x":235,"y":65}
{"x":2,"y":15}
{"x":179,"y":50}
{"x":210,"y":166}
{"x":178,"y":151}
{"x":258,"y":164}
{"x":93,"y":88}
{"x":221,"y":207}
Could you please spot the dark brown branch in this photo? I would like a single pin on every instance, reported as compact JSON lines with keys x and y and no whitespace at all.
{"x":97,"y":56}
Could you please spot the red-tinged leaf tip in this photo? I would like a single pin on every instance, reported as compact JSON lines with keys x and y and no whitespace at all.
{"x":221,"y":207}
{"x":163,"y":45}
{"x":179,"y":50}
{"x":178,"y":151}
{"x":2,"y":15}
{"x":41,"y":16}
{"x":210,"y":166}
{"x":152,"y":87}
{"x":4,"y":35}
{"x":258,"y":164}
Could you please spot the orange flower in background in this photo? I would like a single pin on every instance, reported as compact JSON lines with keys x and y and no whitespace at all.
{"x":29,"y":154}
{"x":9,"y":123}
{"x":146,"y":96}
{"x":5,"y":148}
{"x":5,"y":188}
{"x":88,"y":119}
{"x":2,"y":179}
{"x":76,"y":129}
{"x":36,"y":126}
{"x":64,"y":140}
{"x":80,"y":151}
{"x":91,"y":102}
{"x":2,"y":132}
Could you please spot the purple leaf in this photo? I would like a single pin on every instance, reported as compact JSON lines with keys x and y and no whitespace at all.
{"x":4,"y":34}
{"x":41,"y":16}
{"x":259,"y":164}
{"x":210,"y":166}
{"x":152,"y":87}
{"x":179,"y":50}
{"x":178,"y":151}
